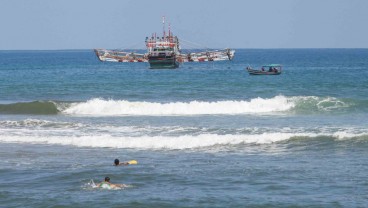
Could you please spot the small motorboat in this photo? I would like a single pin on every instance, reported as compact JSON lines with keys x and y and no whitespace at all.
{"x":270,"y":69}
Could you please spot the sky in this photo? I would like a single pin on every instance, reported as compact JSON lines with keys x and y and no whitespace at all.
{"x":87,"y":24}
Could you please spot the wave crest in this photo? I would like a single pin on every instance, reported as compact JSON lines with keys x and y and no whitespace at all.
{"x":102,"y":107}
{"x":171,"y":143}
{"x":122,"y":107}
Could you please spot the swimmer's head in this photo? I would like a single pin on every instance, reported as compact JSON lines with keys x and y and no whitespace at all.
{"x":107,"y":179}
{"x":116,"y":161}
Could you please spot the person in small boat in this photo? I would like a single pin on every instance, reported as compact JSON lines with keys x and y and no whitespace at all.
{"x":117,"y":162}
{"x":107,"y":185}
{"x":274,"y":69}
{"x":270,"y":69}
{"x":262,"y":68}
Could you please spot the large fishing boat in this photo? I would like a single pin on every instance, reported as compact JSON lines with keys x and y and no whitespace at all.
{"x":164,"y":53}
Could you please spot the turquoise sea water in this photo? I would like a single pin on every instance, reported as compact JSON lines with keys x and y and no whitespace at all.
{"x":205,"y":135}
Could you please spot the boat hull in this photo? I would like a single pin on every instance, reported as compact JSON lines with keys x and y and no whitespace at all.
{"x":259,"y":72}
{"x":163,"y":62}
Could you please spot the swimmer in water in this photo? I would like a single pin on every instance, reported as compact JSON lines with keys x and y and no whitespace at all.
{"x":117,"y":162}
{"x":106,"y":184}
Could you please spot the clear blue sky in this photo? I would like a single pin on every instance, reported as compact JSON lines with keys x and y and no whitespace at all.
{"x":86,"y":24}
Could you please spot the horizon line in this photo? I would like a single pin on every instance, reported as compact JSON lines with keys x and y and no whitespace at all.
{"x":80,"y":49}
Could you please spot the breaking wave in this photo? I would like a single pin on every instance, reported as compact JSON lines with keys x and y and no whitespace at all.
{"x":123,"y":107}
{"x":277,"y":104}
{"x":102,"y":107}
{"x":55,"y":132}
{"x":171,"y":143}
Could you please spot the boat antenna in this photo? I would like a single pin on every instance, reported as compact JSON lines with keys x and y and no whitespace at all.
{"x":163,"y":25}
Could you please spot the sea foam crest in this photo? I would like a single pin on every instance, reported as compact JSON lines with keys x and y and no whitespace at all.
{"x":122,"y":107}
{"x":167,"y":142}
{"x":315,"y":104}
{"x":156,"y":142}
{"x":36,"y":123}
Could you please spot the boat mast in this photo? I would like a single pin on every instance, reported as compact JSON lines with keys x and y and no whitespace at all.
{"x":169,"y":30}
{"x":163,"y":26}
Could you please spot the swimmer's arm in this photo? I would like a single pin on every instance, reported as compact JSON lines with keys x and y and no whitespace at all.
{"x":115,"y":185}
{"x":121,"y":185}
{"x":122,"y":163}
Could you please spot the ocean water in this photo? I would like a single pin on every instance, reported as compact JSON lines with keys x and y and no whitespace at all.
{"x":204,"y":135}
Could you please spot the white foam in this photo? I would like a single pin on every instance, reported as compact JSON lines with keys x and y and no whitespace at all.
{"x":347,"y":134}
{"x":330,"y":103}
{"x":27,"y":122}
{"x":320,"y":103}
{"x":122,"y":107}
{"x":39,"y":123}
{"x":157,"y":142}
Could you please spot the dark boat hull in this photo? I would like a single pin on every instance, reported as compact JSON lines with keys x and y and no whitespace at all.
{"x":259,"y":72}
{"x":163,"y":62}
